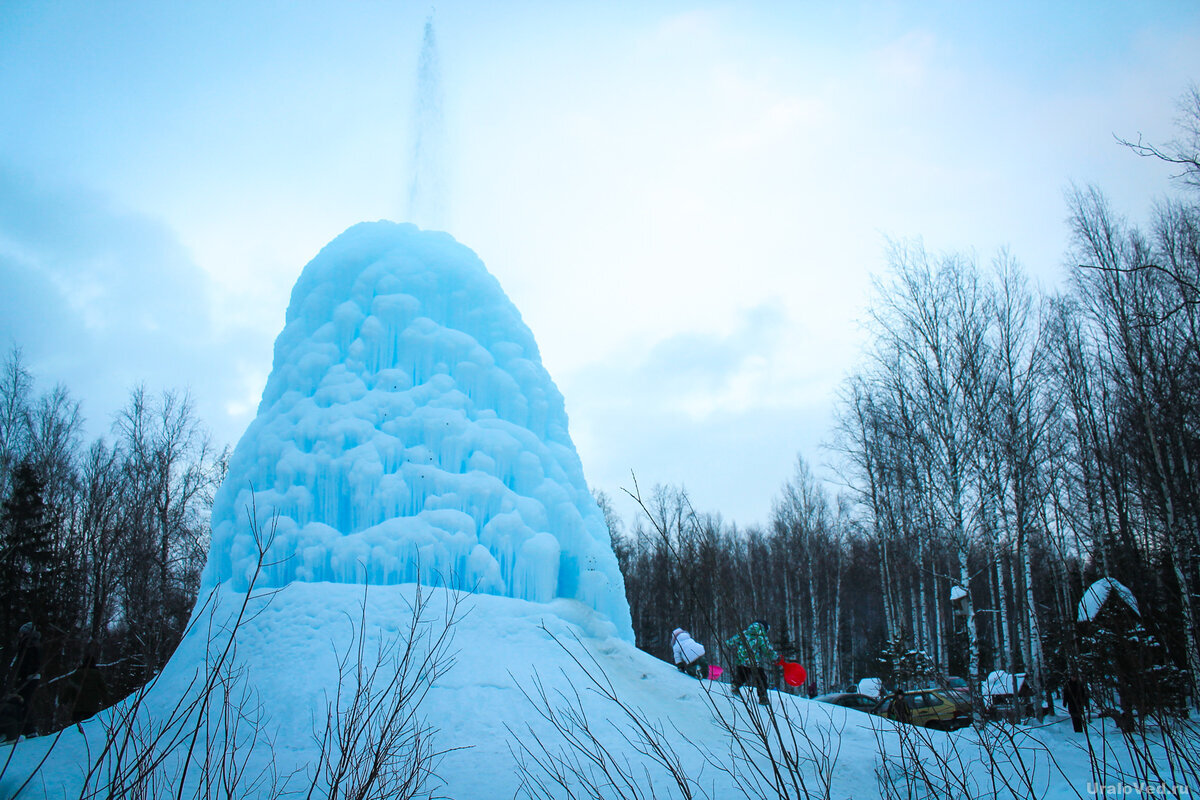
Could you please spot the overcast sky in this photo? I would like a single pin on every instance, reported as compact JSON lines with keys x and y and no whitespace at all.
{"x":686,"y":201}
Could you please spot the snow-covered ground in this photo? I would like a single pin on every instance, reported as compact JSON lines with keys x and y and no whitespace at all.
{"x":483,"y":707}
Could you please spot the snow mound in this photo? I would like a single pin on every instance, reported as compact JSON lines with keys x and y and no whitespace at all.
{"x":479,"y":712}
{"x":483,"y":709}
{"x":1000,"y":683}
{"x":409,"y":432}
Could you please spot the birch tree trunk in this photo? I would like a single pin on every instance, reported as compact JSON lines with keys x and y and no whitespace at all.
{"x":945,"y":634}
{"x":1001,"y":615}
{"x":835,"y":666}
{"x":964,"y":576}
{"x":920,"y":608}
{"x":1034,"y":658}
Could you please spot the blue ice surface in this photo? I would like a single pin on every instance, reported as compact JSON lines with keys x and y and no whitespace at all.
{"x":409,"y":432}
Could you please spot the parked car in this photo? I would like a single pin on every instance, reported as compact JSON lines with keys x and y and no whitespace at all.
{"x":931,"y":708}
{"x":957,"y":683}
{"x":859,"y":702}
{"x":958,"y":688}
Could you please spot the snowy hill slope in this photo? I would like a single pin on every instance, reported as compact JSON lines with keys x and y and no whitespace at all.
{"x":287,"y":652}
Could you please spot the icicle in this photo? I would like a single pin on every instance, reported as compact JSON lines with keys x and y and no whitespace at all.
{"x":407,"y":420}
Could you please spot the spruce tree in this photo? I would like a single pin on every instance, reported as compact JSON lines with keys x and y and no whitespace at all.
{"x":26,"y":551}
{"x":905,"y":666}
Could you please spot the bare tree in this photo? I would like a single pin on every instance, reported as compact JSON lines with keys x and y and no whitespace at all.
{"x":171,"y":469}
{"x":1184,"y":151}
{"x":931,"y":318}
{"x":16,"y":389}
{"x":1149,"y":359}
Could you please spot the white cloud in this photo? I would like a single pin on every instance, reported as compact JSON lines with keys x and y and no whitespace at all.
{"x":101,"y":300}
{"x":906,"y":63}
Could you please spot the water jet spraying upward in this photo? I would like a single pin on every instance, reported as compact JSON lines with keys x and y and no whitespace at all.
{"x":427,"y":193}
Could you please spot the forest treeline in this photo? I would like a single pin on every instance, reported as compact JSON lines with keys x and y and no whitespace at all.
{"x":998,"y":449}
{"x":101,"y":543}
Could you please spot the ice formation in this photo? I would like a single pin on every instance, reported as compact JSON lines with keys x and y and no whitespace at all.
{"x":408,"y":429}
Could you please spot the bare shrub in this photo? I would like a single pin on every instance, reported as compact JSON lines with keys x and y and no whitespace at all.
{"x":776,"y":750}
{"x":1158,"y":749}
{"x":375,"y":743}
{"x":581,"y":763}
{"x":997,"y":761}
{"x":768,"y":752}
{"x":204,"y":745}
{"x":217,"y":741}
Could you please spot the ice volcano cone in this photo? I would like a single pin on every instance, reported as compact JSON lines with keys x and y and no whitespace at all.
{"x":408,"y":428}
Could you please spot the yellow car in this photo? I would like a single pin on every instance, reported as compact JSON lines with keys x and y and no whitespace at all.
{"x":930,"y":708}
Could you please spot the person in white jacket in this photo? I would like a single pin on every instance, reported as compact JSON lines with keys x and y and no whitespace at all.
{"x":688,"y":653}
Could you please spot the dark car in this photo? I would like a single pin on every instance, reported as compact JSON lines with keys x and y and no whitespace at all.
{"x":957,"y":687}
{"x":931,"y":708}
{"x":859,"y":702}
{"x":958,"y":684}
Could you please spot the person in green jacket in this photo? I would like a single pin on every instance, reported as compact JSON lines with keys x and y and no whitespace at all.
{"x":752,"y":653}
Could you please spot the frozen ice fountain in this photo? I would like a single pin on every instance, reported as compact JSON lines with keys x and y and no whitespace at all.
{"x":408,"y":430}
